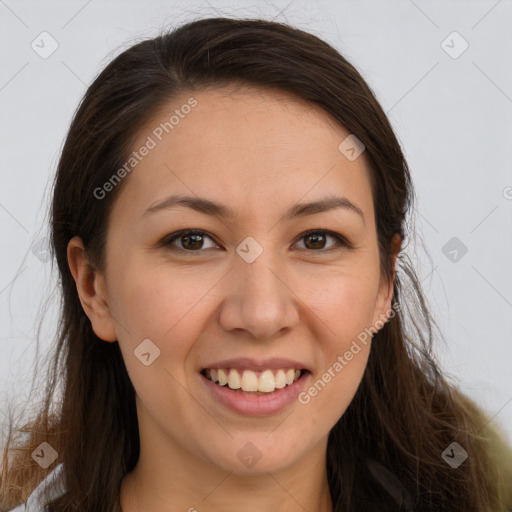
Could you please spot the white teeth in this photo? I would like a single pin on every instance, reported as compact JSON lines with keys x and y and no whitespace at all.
{"x":233,"y":379}
{"x":280,"y":379}
{"x":249,"y":381}
{"x":223,"y":378}
{"x":265,"y":382}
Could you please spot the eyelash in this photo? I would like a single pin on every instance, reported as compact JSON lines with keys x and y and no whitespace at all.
{"x":342,"y":241}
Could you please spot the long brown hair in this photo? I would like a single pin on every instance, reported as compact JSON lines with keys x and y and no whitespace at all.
{"x":385,"y":452}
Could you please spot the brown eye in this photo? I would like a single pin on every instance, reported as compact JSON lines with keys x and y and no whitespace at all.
{"x":316,"y":240}
{"x":191,"y":241}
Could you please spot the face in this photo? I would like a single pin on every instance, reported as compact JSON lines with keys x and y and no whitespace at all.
{"x":251,"y":285}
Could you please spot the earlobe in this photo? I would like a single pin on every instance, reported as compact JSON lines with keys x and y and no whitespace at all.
{"x":91,"y":290}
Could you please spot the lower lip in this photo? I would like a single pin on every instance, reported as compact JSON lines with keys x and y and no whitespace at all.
{"x":257,"y":405}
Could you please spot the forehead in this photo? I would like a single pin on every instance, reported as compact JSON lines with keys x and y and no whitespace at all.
{"x":246,"y":145}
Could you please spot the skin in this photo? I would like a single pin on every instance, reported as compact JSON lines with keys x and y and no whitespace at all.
{"x":259,"y":152}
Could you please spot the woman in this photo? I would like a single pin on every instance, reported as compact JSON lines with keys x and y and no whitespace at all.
{"x":228,"y":220}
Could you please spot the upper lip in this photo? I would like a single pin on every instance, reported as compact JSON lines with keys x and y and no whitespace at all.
{"x":247,"y":363}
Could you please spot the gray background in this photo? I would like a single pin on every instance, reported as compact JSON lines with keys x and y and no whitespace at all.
{"x":452,"y":114}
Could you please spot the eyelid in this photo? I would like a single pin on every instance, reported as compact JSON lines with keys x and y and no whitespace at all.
{"x":342,"y":241}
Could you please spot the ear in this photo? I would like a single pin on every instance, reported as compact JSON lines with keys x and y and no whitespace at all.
{"x":385,"y":293}
{"x":91,"y":288}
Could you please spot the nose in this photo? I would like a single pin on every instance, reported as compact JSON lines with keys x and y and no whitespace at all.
{"x":259,"y":298}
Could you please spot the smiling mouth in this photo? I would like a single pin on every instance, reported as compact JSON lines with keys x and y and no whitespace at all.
{"x":251,"y":382}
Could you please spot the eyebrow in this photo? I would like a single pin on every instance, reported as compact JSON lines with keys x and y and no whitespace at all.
{"x":209,"y":207}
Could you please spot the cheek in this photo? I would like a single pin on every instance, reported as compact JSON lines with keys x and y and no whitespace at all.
{"x":344,"y":359}
{"x":158,"y":303}
{"x":345,"y":305}
{"x":167,"y":308}
{"x":343,"y":300}
{"x":331,"y":393}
